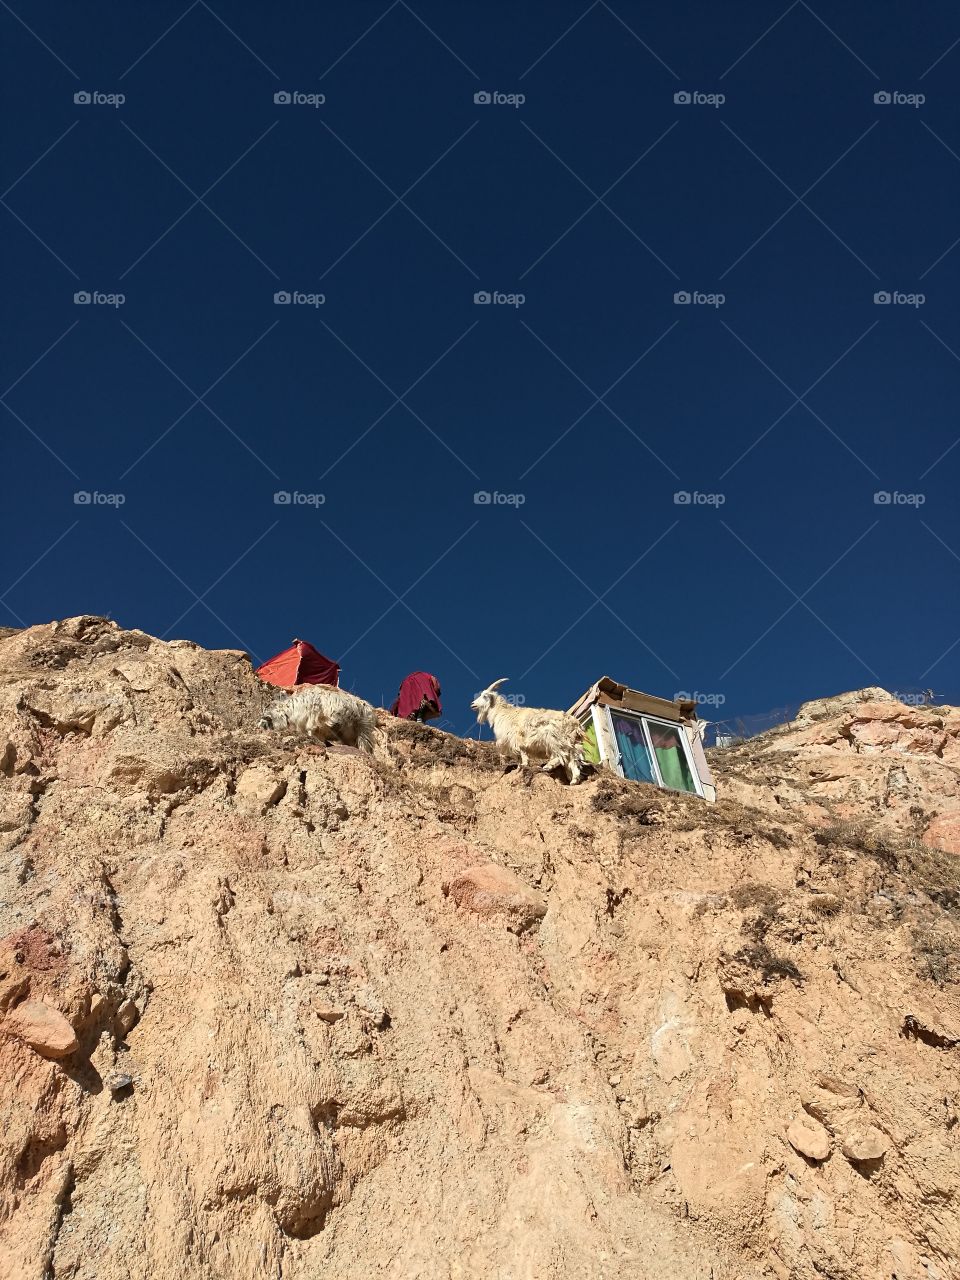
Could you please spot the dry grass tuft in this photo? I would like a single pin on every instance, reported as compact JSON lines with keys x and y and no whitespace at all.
{"x":930,"y":871}
{"x":938,"y":954}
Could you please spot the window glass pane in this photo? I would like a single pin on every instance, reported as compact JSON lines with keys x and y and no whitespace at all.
{"x":634,"y":756}
{"x":671,"y":757}
{"x":591,"y":750}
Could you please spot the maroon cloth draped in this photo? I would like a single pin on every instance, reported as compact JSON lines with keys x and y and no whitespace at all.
{"x":417,"y":686}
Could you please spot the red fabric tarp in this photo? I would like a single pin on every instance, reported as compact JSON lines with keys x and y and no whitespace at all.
{"x":417,"y":686}
{"x":300,"y":664}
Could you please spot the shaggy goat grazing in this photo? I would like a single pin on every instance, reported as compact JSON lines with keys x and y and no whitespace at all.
{"x":552,"y":736}
{"x":332,"y":715}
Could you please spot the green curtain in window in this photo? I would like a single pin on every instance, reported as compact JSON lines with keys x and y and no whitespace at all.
{"x":671,"y":759}
{"x":591,"y":748}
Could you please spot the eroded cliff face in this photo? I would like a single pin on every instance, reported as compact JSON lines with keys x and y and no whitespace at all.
{"x":859,"y":757}
{"x":268,"y":1009}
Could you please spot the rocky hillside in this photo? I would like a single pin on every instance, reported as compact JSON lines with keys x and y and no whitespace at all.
{"x":271,"y":1010}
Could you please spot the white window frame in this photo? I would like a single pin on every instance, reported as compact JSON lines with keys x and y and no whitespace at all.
{"x":607,"y":739}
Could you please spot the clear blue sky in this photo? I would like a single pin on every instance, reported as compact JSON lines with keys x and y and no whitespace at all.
{"x":795,"y":401}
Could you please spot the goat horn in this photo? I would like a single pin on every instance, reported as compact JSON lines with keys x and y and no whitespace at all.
{"x":491,"y":688}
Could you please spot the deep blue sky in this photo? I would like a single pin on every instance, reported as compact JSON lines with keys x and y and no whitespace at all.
{"x":400,"y":197}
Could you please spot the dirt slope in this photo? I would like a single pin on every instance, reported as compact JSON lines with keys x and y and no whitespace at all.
{"x":268,"y":1010}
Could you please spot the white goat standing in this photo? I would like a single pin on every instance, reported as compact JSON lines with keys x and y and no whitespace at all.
{"x":330,"y":714}
{"x":552,"y":736}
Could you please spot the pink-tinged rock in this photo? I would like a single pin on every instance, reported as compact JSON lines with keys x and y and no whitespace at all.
{"x":42,"y":1028}
{"x":809,"y":1138}
{"x":944,"y":833}
{"x":881,"y":711}
{"x":927,"y":742}
{"x":903,"y":732}
{"x":494,"y":891}
{"x":876,"y":733}
{"x":827,"y":735}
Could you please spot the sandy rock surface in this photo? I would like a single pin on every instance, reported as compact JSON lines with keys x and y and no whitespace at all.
{"x":42,"y":1028}
{"x":272,"y":1010}
{"x":860,"y":756}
